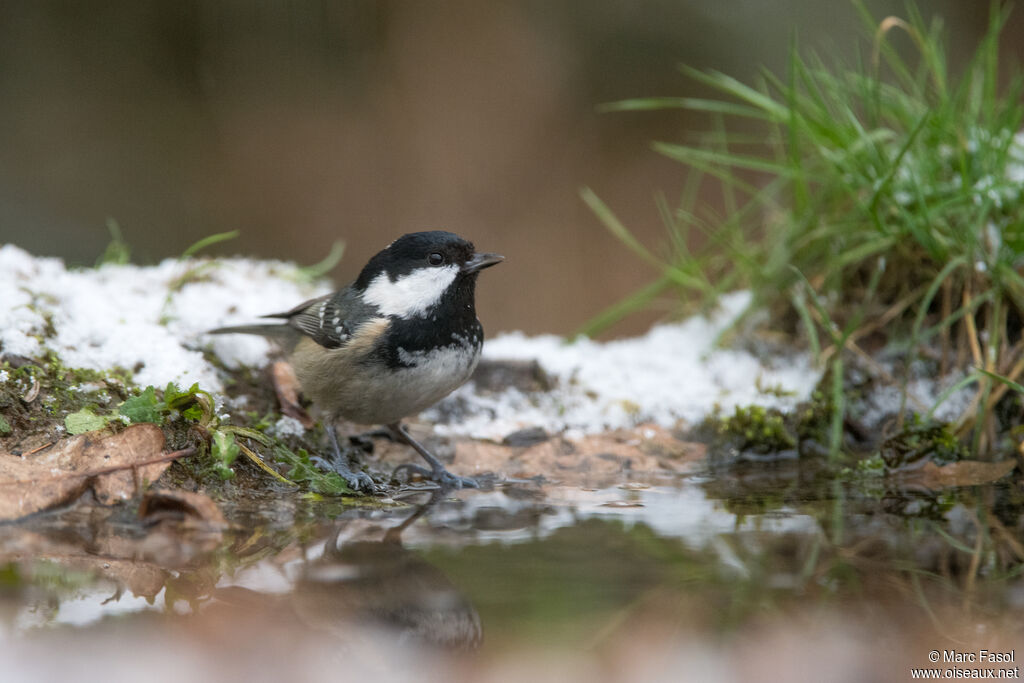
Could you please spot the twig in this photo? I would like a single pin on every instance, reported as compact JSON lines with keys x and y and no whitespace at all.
{"x":184,"y":453}
{"x":947,"y":311}
{"x":972,"y":332}
{"x":1014,"y":544}
{"x":264,"y":466}
{"x":972,"y":571}
{"x":38,"y":448}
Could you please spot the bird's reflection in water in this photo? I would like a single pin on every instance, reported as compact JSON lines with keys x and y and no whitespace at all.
{"x":382,"y":584}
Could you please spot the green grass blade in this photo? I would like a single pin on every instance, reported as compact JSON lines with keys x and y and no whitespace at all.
{"x":209,"y":241}
{"x":117,"y":252}
{"x":727,"y":84}
{"x":690,"y":103}
{"x":887,"y":179}
{"x":799,"y":300}
{"x":325,"y":265}
{"x":1005,"y":380}
{"x":696,"y":156}
{"x":933,"y":289}
{"x":863,"y":252}
{"x":944,"y":396}
{"x":615,"y":226}
{"x":636,"y":301}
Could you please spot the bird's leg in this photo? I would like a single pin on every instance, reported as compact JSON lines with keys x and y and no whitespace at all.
{"x":437,"y":471}
{"x":394,"y":534}
{"x":364,"y":440}
{"x":357,"y":481}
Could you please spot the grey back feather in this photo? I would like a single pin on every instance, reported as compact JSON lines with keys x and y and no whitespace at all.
{"x":328,"y":320}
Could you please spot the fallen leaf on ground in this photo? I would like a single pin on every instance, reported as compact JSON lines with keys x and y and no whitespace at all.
{"x":963,"y":473}
{"x":114,"y":465}
{"x":286,"y":386}
{"x":597,"y":459}
{"x":193,"y":509}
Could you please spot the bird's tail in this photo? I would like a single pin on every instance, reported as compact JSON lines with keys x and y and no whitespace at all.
{"x":274,"y":330}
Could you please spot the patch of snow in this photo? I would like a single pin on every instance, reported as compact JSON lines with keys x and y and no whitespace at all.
{"x":1015,"y":166}
{"x":884,"y":402}
{"x":137,"y":318}
{"x":672,"y":373}
{"x":287,"y":426}
{"x":145,"y":320}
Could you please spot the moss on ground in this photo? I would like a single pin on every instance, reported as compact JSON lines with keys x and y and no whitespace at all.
{"x":42,"y":401}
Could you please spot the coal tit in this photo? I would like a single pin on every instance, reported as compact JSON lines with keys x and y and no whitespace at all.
{"x":400,"y":338}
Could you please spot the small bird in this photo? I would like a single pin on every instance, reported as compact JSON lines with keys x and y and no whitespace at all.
{"x":396,"y":341}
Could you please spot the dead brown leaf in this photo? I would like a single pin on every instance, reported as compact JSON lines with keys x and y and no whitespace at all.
{"x":593,"y":460}
{"x":286,"y":386}
{"x":193,"y":509}
{"x":32,"y":393}
{"x":115,"y":466}
{"x":963,"y":473}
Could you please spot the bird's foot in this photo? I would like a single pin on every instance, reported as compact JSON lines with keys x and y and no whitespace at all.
{"x":441,"y":476}
{"x":359,"y":482}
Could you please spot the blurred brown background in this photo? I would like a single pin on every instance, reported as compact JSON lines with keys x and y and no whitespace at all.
{"x":307,"y":121}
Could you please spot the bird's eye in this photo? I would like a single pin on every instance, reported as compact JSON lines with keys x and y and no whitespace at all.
{"x":435,"y":259}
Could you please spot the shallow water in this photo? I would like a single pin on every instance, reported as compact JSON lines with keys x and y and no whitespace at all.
{"x":763,"y":574}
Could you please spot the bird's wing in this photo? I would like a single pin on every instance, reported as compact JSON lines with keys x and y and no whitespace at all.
{"x":328,"y":320}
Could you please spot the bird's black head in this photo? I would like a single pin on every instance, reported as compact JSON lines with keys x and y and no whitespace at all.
{"x":412,"y":274}
{"x":432,"y":249}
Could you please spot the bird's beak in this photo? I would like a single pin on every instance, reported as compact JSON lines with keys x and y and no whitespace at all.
{"x":481,"y":261}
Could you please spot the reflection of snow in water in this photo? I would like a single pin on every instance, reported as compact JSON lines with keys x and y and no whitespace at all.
{"x":685,"y":513}
{"x":88,"y":605}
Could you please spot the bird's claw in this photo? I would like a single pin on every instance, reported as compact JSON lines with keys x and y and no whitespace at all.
{"x":361,"y":481}
{"x":357,"y":481}
{"x":443,"y":477}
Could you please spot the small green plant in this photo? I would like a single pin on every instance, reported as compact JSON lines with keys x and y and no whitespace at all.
{"x":919,"y":441}
{"x":872,"y":466}
{"x":84,"y":420}
{"x":223,"y":451}
{"x":314,"y":272}
{"x":303,"y":471}
{"x":757,"y":427}
{"x":193,"y":404}
{"x":208,"y":241}
{"x":887,"y":199}
{"x":117,"y":252}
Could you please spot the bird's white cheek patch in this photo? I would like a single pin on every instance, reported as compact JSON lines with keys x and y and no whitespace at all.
{"x":411,"y":294}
